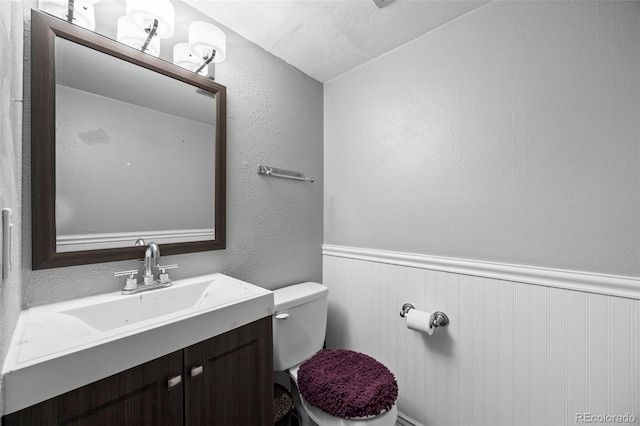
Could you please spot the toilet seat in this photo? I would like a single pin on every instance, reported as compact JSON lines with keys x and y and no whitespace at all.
{"x":322,"y":418}
{"x":347,"y":383}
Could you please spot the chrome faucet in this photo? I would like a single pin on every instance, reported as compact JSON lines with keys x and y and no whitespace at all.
{"x":151,"y":260}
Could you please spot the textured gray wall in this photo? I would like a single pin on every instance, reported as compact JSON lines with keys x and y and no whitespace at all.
{"x":508,"y":135}
{"x":11,"y":35}
{"x":274,"y":226}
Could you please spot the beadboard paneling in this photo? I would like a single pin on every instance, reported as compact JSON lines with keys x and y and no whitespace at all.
{"x":513,"y":354}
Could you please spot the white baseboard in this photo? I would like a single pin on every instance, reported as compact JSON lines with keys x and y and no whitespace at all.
{"x":611,"y":285}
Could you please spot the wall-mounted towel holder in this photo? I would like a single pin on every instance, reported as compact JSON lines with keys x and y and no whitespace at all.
{"x":440,"y":319}
{"x":282,"y":173}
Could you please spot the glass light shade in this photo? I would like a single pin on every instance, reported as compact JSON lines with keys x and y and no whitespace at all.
{"x":83,"y":13}
{"x":143,"y":12}
{"x":183,"y":57}
{"x":204,"y":38}
{"x":131,"y":35}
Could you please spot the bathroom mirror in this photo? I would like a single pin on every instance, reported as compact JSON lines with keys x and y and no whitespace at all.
{"x":124,"y":146}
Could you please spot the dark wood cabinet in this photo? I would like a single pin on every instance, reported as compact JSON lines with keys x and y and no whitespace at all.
{"x":234,"y":386}
{"x":136,"y":396}
{"x":232,"y":379}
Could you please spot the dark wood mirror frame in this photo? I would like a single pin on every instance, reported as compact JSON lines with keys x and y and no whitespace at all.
{"x":44,"y":30}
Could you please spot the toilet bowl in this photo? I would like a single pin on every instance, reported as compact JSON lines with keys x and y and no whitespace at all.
{"x":299,"y":326}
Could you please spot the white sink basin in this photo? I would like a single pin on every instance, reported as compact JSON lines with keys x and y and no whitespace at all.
{"x":121,"y":311}
{"x":129,"y":310}
{"x":60,"y":347}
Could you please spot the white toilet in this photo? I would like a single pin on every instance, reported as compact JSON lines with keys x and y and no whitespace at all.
{"x":299,"y":326}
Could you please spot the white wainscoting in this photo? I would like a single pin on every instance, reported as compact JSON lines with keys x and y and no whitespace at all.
{"x":513,"y":354}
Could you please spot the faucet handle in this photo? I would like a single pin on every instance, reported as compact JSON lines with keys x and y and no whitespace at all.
{"x":131,"y":273}
{"x":132,"y":282}
{"x":163,"y":276}
{"x":166,"y":267}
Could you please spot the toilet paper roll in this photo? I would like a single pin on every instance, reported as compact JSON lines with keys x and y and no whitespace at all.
{"x":420,"y":321}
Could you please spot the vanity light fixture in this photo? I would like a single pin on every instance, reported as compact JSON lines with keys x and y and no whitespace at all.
{"x":131,"y":35}
{"x":79,"y":12}
{"x":208,"y":42}
{"x":144,"y":13}
{"x":152,"y":18}
{"x":145,"y":23}
{"x":184,"y":57}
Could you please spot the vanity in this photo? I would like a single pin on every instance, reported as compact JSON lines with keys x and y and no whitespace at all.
{"x":199,"y":352}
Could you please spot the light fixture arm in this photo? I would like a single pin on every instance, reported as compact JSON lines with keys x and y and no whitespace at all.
{"x":206,"y":62}
{"x":70,"y":8}
{"x":152,"y":32}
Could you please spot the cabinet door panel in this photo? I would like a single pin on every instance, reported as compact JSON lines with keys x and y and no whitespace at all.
{"x":235,"y":387}
{"x":138,"y":396}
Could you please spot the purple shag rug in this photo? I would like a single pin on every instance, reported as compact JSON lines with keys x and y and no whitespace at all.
{"x":347,"y":384}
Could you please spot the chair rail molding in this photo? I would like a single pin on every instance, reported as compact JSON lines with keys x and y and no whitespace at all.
{"x":611,"y":285}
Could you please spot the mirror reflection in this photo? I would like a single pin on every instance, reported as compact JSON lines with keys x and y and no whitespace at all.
{"x":135,"y":154}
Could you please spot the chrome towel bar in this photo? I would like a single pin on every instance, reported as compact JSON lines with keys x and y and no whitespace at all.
{"x":282,"y":173}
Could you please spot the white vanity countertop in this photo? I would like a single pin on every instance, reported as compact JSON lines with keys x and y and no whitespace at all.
{"x":63,"y":346}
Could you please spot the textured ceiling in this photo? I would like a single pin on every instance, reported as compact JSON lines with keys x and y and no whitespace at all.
{"x":326,"y":38}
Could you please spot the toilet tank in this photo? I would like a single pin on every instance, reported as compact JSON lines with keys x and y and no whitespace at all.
{"x":299,"y":323}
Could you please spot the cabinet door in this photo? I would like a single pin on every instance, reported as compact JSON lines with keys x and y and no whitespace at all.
{"x":138,"y":396}
{"x":235,"y":385}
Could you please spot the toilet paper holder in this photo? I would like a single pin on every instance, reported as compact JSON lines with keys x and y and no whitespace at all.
{"x":440,"y":319}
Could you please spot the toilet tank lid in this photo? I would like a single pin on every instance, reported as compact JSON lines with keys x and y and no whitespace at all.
{"x":297,"y":294}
